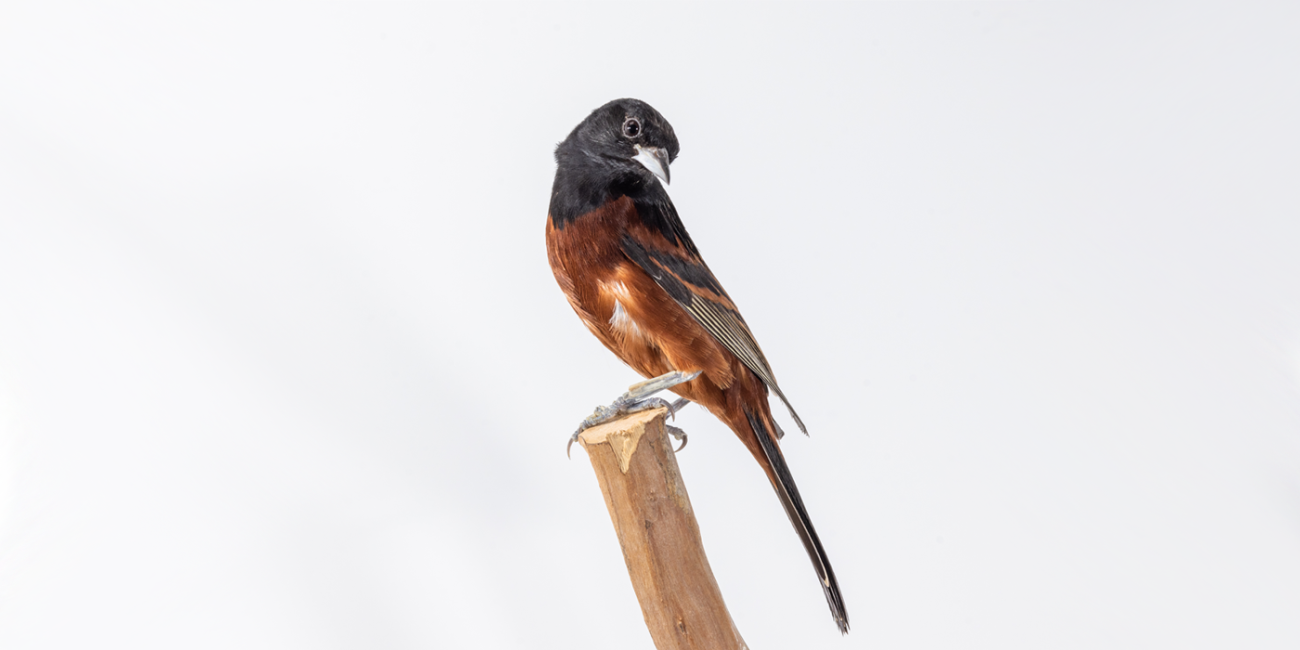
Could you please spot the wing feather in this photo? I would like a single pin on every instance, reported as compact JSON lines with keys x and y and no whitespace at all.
{"x":693,"y":286}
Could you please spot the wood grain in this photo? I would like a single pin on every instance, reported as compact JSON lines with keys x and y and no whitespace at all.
{"x":656,"y":527}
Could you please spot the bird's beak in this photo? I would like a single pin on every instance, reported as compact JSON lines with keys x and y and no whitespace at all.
{"x":653,"y":159}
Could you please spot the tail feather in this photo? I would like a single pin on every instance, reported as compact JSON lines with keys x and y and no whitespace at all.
{"x":783,"y":482}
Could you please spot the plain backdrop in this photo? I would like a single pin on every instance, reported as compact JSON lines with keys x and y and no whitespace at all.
{"x":282,"y":364}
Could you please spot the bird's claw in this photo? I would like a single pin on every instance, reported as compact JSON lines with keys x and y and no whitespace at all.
{"x":677,"y":405}
{"x":568,"y":449}
{"x":678,"y":434}
{"x":640,"y":397}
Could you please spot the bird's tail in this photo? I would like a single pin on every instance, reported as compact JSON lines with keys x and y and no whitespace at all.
{"x":783,"y":482}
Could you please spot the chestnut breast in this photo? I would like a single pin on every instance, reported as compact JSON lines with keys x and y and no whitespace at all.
{"x":624,"y":307}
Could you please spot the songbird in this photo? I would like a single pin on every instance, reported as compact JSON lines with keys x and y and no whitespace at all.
{"x":631,"y":272}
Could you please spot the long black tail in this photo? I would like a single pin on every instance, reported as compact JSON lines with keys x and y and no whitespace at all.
{"x":789,"y":495}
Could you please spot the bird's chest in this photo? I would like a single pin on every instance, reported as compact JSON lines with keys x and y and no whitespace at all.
{"x":601,"y":284}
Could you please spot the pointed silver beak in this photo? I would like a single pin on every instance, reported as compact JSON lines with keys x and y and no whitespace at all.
{"x":653,"y":159}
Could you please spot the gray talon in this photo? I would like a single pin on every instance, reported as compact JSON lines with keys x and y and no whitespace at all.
{"x":640,"y":397}
{"x":677,"y":405}
{"x":678,"y":434}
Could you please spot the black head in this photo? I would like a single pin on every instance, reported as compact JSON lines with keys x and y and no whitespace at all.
{"x":623,"y":148}
{"x":625,"y":142}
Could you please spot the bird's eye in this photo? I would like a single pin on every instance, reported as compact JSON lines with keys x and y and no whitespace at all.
{"x":631,"y":127}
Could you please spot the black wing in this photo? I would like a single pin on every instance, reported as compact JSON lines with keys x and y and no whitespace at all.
{"x":693,"y":286}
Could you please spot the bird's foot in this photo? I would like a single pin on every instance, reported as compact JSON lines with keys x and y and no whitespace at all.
{"x":640,"y":397}
{"x":673,"y":431}
{"x":678,"y":434}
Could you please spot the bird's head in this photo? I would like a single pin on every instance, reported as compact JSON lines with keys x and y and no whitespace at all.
{"x":626,"y":138}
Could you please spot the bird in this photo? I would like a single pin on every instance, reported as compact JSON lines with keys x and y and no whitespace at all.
{"x":627,"y":266}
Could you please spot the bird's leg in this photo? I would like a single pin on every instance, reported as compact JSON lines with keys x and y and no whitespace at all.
{"x":677,"y":405}
{"x":640,"y":397}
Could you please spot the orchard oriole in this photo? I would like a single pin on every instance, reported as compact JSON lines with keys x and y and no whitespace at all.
{"x":631,"y":272}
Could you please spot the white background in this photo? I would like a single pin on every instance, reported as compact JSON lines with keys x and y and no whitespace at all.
{"x":282,"y":364}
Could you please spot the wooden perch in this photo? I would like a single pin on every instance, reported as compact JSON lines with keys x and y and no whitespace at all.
{"x":656,"y":527}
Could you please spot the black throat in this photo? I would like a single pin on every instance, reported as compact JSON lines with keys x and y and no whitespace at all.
{"x":584,"y":183}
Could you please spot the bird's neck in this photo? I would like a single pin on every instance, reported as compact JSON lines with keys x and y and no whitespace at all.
{"x":579,"y":190}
